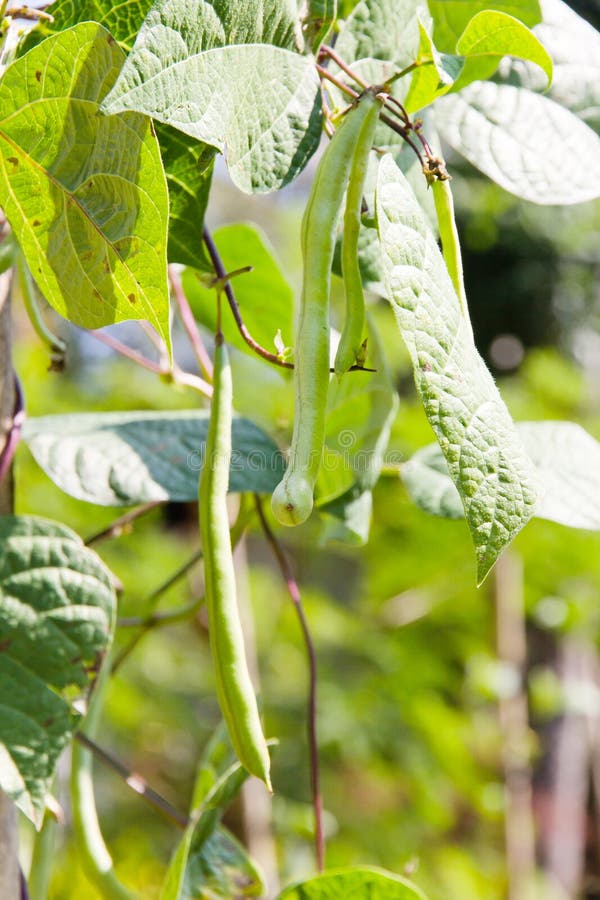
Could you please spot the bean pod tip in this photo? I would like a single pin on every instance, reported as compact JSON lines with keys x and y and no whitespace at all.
{"x":292,"y":501}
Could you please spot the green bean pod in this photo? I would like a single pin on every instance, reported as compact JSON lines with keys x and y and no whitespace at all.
{"x":292,"y":499}
{"x":351,"y":338}
{"x":234,"y":687}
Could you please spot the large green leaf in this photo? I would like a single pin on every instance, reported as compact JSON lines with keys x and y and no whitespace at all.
{"x":120,"y":459}
{"x":382,"y":29}
{"x":451,"y":17}
{"x":264,"y":295}
{"x":575,"y":49}
{"x":57,"y":611}
{"x":188,"y":167}
{"x":208,"y":861}
{"x":354,"y":884}
{"x":568,"y":462}
{"x":86,"y":196}
{"x":122,"y":19}
{"x":187,"y":163}
{"x":526,"y":143}
{"x":201,"y":67}
{"x":494,"y":475}
{"x":488,"y":37}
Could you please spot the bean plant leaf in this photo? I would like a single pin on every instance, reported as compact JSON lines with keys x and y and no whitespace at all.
{"x":91,"y":220}
{"x":434,"y":76}
{"x":188,"y":167}
{"x":493,"y":474}
{"x":122,"y":19}
{"x":207,"y":857}
{"x":488,"y":37}
{"x":221,"y":868}
{"x":451,"y":17}
{"x":187,"y":162}
{"x":354,"y":884}
{"x":568,"y":462}
{"x":319,"y":21}
{"x":264,"y":296}
{"x":382,"y":29}
{"x":121,"y":459}
{"x":347,"y":519}
{"x":57,"y":614}
{"x":227,"y":74}
{"x":574,"y":45}
{"x":524,"y":142}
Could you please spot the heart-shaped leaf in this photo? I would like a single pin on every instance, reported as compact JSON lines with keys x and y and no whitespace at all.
{"x":227,"y":74}
{"x":451,"y":17}
{"x":91,"y":220}
{"x":57,"y":611}
{"x":121,"y":459}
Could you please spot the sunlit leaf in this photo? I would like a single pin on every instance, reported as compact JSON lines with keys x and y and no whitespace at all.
{"x":354,"y":884}
{"x":85,"y":195}
{"x":200,"y":67}
{"x":568,"y":462}
{"x":451,"y":17}
{"x":526,"y":143}
{"x":494,"y":476}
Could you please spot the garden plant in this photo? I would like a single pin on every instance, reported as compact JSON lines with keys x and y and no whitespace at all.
{"x":118,"y":121}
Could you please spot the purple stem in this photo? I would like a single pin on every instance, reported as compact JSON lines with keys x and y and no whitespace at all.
{"x":14,"y":435}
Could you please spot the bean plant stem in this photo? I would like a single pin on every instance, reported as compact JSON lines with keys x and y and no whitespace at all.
{"x":42,"y":859}
{"x":93,"y":852}
{"x":294,"y":592}
{"x":189,"y":323}
{"x":116,"y":528}
{"x":330,"y":52}
{"x":133,"y":780}
{"x":222,"y":274}
{"x":55,"y":344}
{"x":14,"y":435}
{"x":176,"y":375}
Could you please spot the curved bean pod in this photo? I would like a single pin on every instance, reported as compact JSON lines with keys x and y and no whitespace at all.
{"x":234,"y":687}
{"x":292,"y":499}
{"x":351,"y":337}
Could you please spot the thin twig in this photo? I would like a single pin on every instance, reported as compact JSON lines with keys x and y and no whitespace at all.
{"x":116,"y":528}
{"x":222,"y":274}
{"x":330,"y":52}
{"x":26,"y":12}
{"x":14,"y":434}
{"x":133,"y":780}
{"x":294,"y":593}
{"x":189,"y":323}
{"x":121,"y":348}
{"x":175,"y":374}
{"x":399,"y":129}
{"x":223,"y":277}
{"x":344,"y":88}
{"x":161,"y":616}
